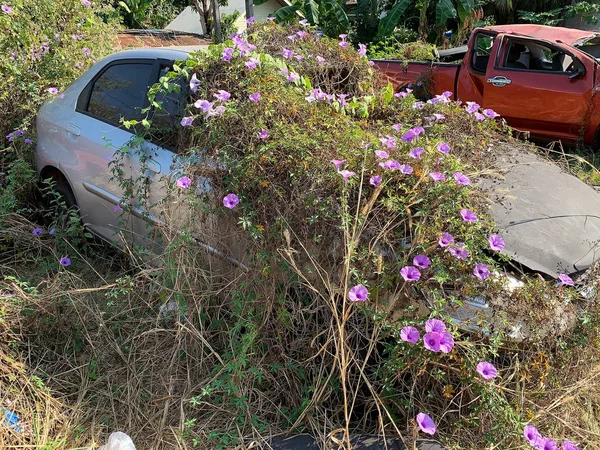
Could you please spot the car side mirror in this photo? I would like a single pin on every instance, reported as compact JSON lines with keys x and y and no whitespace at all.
{"x":578,"y":73}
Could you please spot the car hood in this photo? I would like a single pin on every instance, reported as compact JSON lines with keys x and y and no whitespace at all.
{"x":549,"y":219}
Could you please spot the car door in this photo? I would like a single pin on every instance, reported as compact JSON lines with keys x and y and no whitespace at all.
{"x":539,"y":86}
{"x":101,"y":146}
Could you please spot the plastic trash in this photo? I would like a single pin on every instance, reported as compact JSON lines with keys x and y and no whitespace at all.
{"x":11,"y":420}
{"x":118,"y":441}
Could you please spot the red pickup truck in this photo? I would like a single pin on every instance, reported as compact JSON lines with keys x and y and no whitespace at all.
{"x":540,"y":79}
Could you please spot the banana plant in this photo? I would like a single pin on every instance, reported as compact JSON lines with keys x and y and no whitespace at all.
{"x":136,"y":11}
{"x":327,"y":14}
{"x":444,"y":10}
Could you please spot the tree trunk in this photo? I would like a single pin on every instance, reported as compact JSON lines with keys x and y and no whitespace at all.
{"x":202,"y":14}
{"x":216,"y":22}
{"x":423,"y":21}
{"x":249,"y":8}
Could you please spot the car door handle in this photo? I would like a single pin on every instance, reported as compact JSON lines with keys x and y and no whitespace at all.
{"x":72,"y":129}
{"x":499,"y":81}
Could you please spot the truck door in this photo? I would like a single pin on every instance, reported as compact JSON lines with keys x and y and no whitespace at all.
{"x":539,"y":86}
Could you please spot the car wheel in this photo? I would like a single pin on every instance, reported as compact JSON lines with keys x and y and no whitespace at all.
{"x":66,"y":195}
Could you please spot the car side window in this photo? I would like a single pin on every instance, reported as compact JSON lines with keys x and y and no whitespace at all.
{"x":482,"y":49}
{"x":536,"y":56}
{"x":121,"y":92}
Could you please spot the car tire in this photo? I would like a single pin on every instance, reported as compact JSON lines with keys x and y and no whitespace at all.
{"x":67,"y":195}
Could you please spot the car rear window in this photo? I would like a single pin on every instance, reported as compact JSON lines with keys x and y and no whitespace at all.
{"x":121,"y":92}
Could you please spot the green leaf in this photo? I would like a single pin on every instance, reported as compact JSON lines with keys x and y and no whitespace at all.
{"x":389,"y":22}
{"x":465,"y":7}
{"x":338,"y":11}
{"x":311,"y":10}
{"x":388,"y":93}
{"x":444,"y":11}
{"x":260,"y":2}
{"x":286,"y":13}
{"x":125,"y":7}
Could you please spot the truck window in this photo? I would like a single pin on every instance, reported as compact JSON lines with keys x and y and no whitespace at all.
{"x":482,"y":50}
{"x":535,"y":56}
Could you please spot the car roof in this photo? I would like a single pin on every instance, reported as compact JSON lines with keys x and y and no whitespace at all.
{"x":547,"y":33}
{"x":172,"y":53}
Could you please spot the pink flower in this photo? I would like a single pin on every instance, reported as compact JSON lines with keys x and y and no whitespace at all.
{"x":445,"y":240}
{"x":86,"y":2}
{"x":87,"y":52}
{"x":435,"y":326}
{"x":346,"y":174}
{"x":53,"y":90}
{"x":362,"y":49}
{"x":337,"y":163}
{"x":230,"y":201}
{"x":468,"y":215}
{"x":390,"y":164}
{"x":358,"y":293}
{"x":487,"y":370}
{"x":194,"y":83}
{"x":375,"y":180}
{"x":409,"y":334}
{"x":410,"y":273}
{"x":459,"y":251}
{"x":443,"y":147}
{"x":293,"y":77}
{"x":303,"y":22}
{"x":218,"y":111}
{"x":222,"y":95}
{"x":416,"y":152}
{"x":565,"y":280}
{"x":425,"y":423}
{"x":481,"y":271}
{"x":496,"y":242}
{"x":532,"y":434}
{"x":432,"y":341}
{"x":405,"y":169}
{"x":388,"y":142}
{"x":397,"y":127}
{"x":204,"y":105}
{"x":472,"y":107}
{"x":479,"y":117}
{"x":437,"y":176}
{"x":287,"y":54}
{"x":320,"y":60}
{"x":422,"y":261}
{"x":461,"y":179}
{"x":568,"y":445}
{"x":252,"y":63}
{"x":546,"y":444}
{"x":263,"y":134}
{"x":6,"y":9}
{"x":292,"y":37}
{"x":381,"y":154}
{"x":343,"y":42}
{"x":490,"y":113}
{"x":301,"y":33}
{"x":183,"y":182}
{"x":255,"y":97}
{"x":187,"y":121}
{"x":446,"y":342}
{"x":299,"y":57}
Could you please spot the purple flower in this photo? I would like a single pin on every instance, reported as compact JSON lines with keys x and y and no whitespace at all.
{"x":320,"y":60}
{"x":405,"y":169}
{"x":481,"y":271}
{"x":230,"y":201}
{"x":342,"y":99}
{"x":461,"y":179}
{"x":117,"y":208}
{"x":401,"y":94}
{"x":252,"y":63}
{"x":358,"y":293}
{"x":250,"y":20}
{"x":532,"y":435}
{"x":472,"y":107}
{"x":479,"y":117}
{"x":546,"y":444}
{"x":87,"y":52}
{"x":218,"y":111}
{"x":565,"y":280}
{"x":183,"y":182}
{"x":416,"y":152}
{"x":187,"y":121}
{"x":447,"y":94}
{"x":443,"y":147}
{"x":410,"y":273}
{"x":65,"y":261}
{"x":397,"y":127}
{"x":287,"y":54}
{"x":459,"y":251}
{"x":194,"y":83}
{"x":303,"y":22}
{"x":28,"y":141}
{"x":37,"y":231}
{"x":222,"y":95}
{"x":418,"y":105}
{"x":432,"y":341}
{"x":435,"y":326}
{"x":254,"y":97}
{"x":388,"y":142}
{"x":292,"y":37}
{"x":299,"y":57}
{"x":568,"y":445}
{"x":337,"y":163}
{"x":343,"y":42}
{"x":445,"y":240}
{"x":381,"y":154}
{"x":410,"y":136}
{"x":425,"y":423}
{"x":468,"y":215}
{"x":375,"y":180}
{"x":422,"y":261}
{"x":263,"y":134}
{"x":438,"y":117}
{"x":76,"y":37}
{"x":446,"y":342}
{"x":390,"y":164}
{"x":346,"y":174}
{"x":53,"y":90}
{"x":496,"y":242}
{"x":490,"y":113}
{"x":437,"y":176}
{"x":227,"y":54}
{"x":86,"y":2}
{"x":301,"y":33}
{"x":6,"y":9}
{"x":362,"y":49}
{"x":293,"y":77}
{"x":409,"y":334}
{"x":487,"y":370}
{"x":204,"y":105}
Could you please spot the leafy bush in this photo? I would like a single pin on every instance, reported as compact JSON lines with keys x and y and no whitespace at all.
{"x":391,"y":48}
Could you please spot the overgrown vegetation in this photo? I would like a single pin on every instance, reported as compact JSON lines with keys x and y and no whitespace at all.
{"x":190,"y":351}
